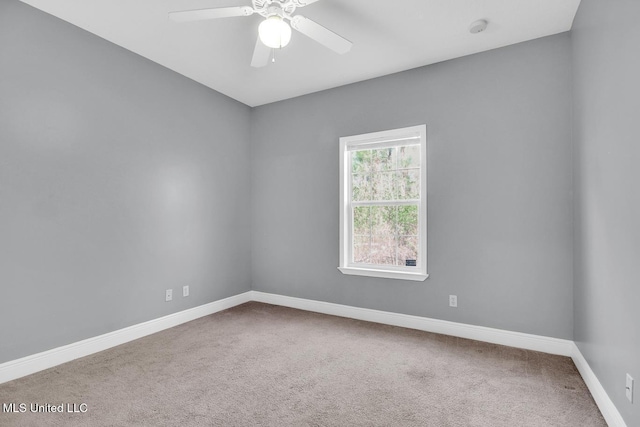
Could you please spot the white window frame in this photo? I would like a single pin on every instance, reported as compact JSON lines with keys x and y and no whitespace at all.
{"x":375,"y":140}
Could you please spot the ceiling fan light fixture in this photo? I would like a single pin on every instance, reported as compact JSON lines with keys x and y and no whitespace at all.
{"x":274,"y":32}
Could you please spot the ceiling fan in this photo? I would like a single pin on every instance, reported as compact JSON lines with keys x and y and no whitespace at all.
{"x":273,"y":32}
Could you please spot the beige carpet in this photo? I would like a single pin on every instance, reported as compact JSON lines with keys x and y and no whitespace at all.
{"x":264,"y":365}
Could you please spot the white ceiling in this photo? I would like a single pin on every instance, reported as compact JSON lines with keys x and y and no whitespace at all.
{"x":388,"y":36}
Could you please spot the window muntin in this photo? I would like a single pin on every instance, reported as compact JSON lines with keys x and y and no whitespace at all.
{"x":383,"y":204}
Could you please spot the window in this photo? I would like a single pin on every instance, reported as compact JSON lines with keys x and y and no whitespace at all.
{"x":383,"y":204}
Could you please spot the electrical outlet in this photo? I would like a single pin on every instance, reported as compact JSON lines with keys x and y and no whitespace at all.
{"x":629,"y":389}
{"x":185,"y":291}
{"x":168,"y":296}
{"x":453,"y":300}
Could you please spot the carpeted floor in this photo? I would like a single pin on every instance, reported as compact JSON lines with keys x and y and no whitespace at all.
{"x":263,"y":365}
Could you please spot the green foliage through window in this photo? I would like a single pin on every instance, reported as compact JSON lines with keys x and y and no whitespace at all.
{"x":385,"y":234}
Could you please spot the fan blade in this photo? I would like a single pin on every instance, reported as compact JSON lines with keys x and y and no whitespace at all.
{"x":260,"y":55}
{"x":302,"y":3}
{"x":321,"y":34}
{"x":202,"y":14}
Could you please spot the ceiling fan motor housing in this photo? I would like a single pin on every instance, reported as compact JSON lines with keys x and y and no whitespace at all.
{"x":269,"y":8}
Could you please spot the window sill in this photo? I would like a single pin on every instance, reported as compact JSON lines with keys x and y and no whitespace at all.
{"x":386,"y":274}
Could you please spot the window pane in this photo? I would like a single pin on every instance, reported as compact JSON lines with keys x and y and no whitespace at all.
{"x":382,"y":186}
{"x":383,"y":220}
{"x":362,"y":220}
{"x":409,"y":157}
{"x":407,"y":220}
{"x":383,"y":159}
{"x":408,"y":184}
{"x":383,"y":250}
{"x":407,"y":250}
{"x":360,"y":161}
{"x":361,"y":249}
{"x":360,"y":187}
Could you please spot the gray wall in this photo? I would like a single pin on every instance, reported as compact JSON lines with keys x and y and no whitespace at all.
{"x":118,"y":179}
{"x":606,"y":66}
{"x":500,"y":198}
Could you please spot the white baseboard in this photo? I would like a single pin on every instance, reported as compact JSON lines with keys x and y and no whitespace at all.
{"x":48,"y":359}
{"x":606,"y":406}
{"x":462,"y":330}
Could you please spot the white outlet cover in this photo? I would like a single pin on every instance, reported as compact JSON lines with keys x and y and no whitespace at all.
{"x":453,"y":300}
{"x":629,"y":388}
{"x":185,"y":291}
{"x":168,"y":295}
